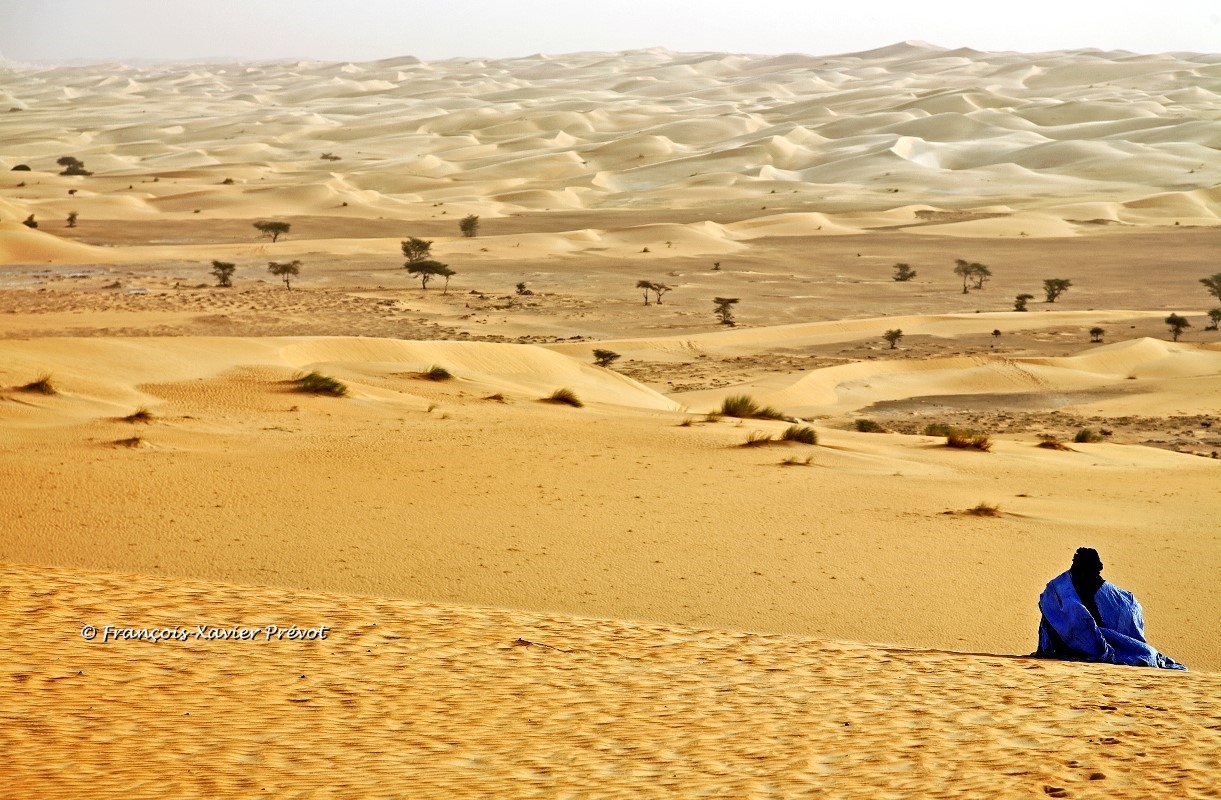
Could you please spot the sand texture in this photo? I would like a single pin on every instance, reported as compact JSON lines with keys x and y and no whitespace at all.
{"x":408,"y":699}
{"x":631,"y":595}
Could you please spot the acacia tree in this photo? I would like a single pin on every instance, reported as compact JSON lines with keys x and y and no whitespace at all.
{"x":604,"y":358}
{"x":1019,"y":302}
{"x":1214,"y":314}
{"x":1054,"y":287}
{"x":646,"y":286}
{"x":223,"y":270}
{"x":893,"y":336}
{"x":723,"y":308}
{"x":428,"y":269}
{"x":285,"y":269}
{"x":903,"y":272}
{"x":469,"y":226}
{"x":980,"y":273}
{"x":72,"y":215}
{"x":659,"y":289}
{"x":72,"y":166}
{"x":1213,"y":284}
{"x":1177,"y":325}
{"x":273,"y":229}
{"x":1096,"y":334}
{"x":963,"y":269}
{"x":416,"y":249}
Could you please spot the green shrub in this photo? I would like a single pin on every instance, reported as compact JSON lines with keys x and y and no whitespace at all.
{"x":566,"y":397}
{"x":1086,"y":436}
{"x":803,"y":434}
{"x":744,"y":407}
{"x":317,"y":383}
{"x":938,"y":429}
{"x":436,"y":373}
{"x":41,"y":386}
{"x":757,"y":439}
{"x":869,"y":426}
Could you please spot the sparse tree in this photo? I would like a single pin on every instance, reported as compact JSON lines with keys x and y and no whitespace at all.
{"x":30,"y":222}
{"x":273,"y":229}
{"x":72,"y":215}
{"x":285,"y":269}
{"x":723,"y":308}
{"x":716,"y":265}
{"x":964,"y":270}
{"x":223,"y":270}
{"x":72,"y":166}
{"x":646,"y":287}
{"x":1214,"y":314}
{"x":659,"y":289}
{"x":1054,"y":287}
{"x":1177,"y":325}
{"x":903,"y":272}
{"x":469,"y":226}
{"x":521,"y":288}
{"x":416,"y":250}
{"x":893,"y":336}
{"x":604,"y":358}
{"x":1019,"y":303}
{"x":428,"y":269}
{"x":979,"y":274}
{"x":1213,"y":284}
{"x":996,"y":333}
{"x":1096,"y":334}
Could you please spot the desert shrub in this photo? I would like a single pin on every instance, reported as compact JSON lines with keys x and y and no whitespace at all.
{"x":72,"y":215}
{"x":498,"y":397}
{"x":227,"y":182}
{"x":1049,"y":442}
{"x":131,"y":441}
{"x":141,"y":414}
{"x":436,"y":373}
{"x":566,"y":397}
{"x":869,"y":426}
{"x":893,"y":336}
{"x":713,"y":416}
{"x":1086,"y":436}
{"x":903,"y":272}
{"x":723,"y":308}
{"x":1096,"y":334}
{"x":1019,"y":303}
{"x":469,"y":226}
{"x":317,"y":383}
{"x":757,"y":439}
{"x":794,"y":461}
{"x":522,"y":290}
{"x":803,"y":434}
{"x":966,"y":440}
{"x":983,"y":509}
{"x":938,"y":429}
{"x":223,"y":270}
{"x":743,"y":406}
{"x":42,"y":385}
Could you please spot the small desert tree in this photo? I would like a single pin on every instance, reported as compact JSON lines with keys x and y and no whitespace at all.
{"x":979,"y":274}
{"x":428,"y":269}
{"x":273,"y":229}
{"x":521,"y":288}
{"x":415,"y":250}
{"x":1214,"y":315}
{"x":893,"y":336}
{"x":1054,"y":287}
{"x":72,"y":166}
{"x":287,"y":270}
{"x":604,"y":358}
{"x":72,"y":215}
{"x":223,"y":270}
{"x":659,"y":289}
{"x":1096,"y":334}
{"x":646,"y":287}
{"x":469,"y":226}
{"x":1019,"y":302}
{"x":723,"y":308}
{"x":1213,"y":284}
{"x":903,"y":272}
{"x":963,"y":269}
{"x":1177,"y":325}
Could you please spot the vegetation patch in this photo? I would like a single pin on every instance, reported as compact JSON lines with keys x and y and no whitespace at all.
{"x":1050,"y":442}
{"x":436,"y":373}
{"x":744,"y":407}
{"x":967,"y":440}
{"x":42,"y":385}
{"x":802,"y":434}
{"x":758,"y":439}
{"x":869,"y":426}
{"x":564,"y":397}
{"x":131,"y":441}
{"x":984,"y":510}
{"x":141,"y":414}
{"x":1086,"y":436}
{"x":317,"y":383}
{"x":794,"y":461}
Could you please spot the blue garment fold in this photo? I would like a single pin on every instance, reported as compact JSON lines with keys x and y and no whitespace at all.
{"x":1068,"y":630}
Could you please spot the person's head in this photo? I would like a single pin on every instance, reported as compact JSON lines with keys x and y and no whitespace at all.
{"x":1087,"y":561}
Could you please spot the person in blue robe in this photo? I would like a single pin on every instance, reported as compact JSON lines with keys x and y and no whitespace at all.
{"x":1086,"y":618}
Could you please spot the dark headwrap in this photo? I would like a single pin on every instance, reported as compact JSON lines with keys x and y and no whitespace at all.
{"x":1087,"y":578}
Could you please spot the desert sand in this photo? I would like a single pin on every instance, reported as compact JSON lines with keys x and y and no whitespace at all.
{"x":527,"y":598}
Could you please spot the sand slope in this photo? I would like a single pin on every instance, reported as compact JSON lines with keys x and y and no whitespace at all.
{"x":427,"y":700}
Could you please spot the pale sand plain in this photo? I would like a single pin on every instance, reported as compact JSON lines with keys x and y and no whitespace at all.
{"x":480,"y":521}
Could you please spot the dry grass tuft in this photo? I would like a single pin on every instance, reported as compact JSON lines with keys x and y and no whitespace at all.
{"x":744,"y":407}
{"x":984,"y":510}
{"x":966,"y":440}
{"x":317,"y":383}
{"x":757,"y":439}
{"x":41,"y":386}
{"x":141,"y":414}
{"x":564,"y":397}
{"x":1050,"y":442}
{"x":803,"y":434}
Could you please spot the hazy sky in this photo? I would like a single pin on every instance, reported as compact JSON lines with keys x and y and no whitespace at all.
{"x":59,"y":30}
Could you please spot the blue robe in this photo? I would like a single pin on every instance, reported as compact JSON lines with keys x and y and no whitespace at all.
{"x":1068,"y":630}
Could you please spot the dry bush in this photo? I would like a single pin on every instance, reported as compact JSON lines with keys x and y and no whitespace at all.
{"x":984,"y":510}
{"x":966,"y":440}
{"x":317,"y":383}
{"x":141,"y":414}
{"x":869,"y":426}
{"x":565,"y":397}
{"x":757,"y":439}
{"x":41,"y":386}
{"x":803,"y":434}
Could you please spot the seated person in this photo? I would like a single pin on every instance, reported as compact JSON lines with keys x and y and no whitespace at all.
{"x":1086,"y":618}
